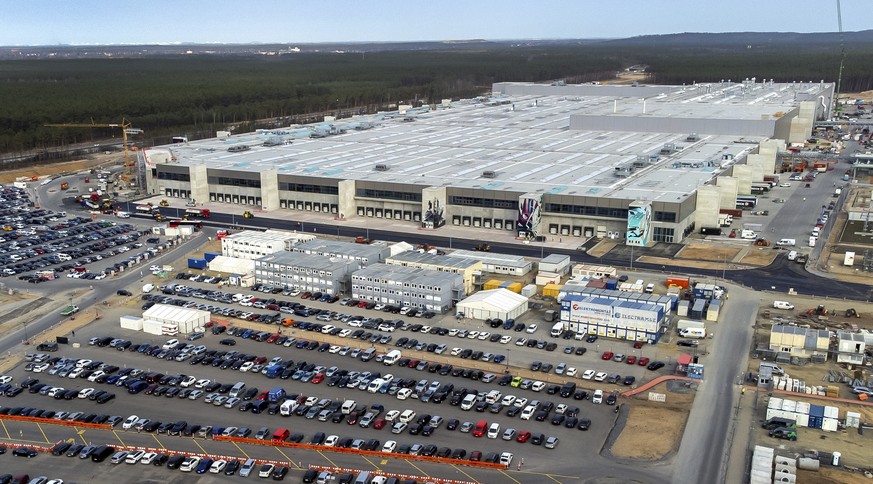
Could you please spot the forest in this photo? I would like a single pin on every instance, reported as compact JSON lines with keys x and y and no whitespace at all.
{"x":196,"y":95}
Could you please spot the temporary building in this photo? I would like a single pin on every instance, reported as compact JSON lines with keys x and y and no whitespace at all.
{"x":131,"y":322}
{"x":497,"y":303}
{"x":232,"y":265}
{"x":400,"y":247}
{"x":186,"y":320}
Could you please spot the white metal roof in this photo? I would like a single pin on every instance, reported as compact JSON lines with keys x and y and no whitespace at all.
{"x":494,"y":300}
{"x":166,"y":312}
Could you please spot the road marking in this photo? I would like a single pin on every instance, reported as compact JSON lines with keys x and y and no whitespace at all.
{"x":201,"y":447}
{"x":284,"y":455}
{"x":552,"y":478}
{"x":507,"y":475}
{"x":119,"y":438}
{"x":70,"y":440}
{"x":328,"y":459}
{"x":47,"y":441}
{"x":241,"y":450}
{"x":82,"y":436}
{"x":5,"y":430}
{"x":158,"y":441}
{"x":425,"y":474}
{"x":371,"y":463}
{"x":384,"y":462}
{"x":462,"y":472}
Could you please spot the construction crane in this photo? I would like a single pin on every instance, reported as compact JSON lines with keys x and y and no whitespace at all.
{"x":125,"y":130}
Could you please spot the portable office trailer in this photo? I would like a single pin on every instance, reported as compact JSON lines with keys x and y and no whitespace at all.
{"x":713,"y":310}
{"x":697,"y":309}
{"x":682,"y":308}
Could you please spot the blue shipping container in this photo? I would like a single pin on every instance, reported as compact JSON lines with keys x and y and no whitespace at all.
{"x":197,"y":263}
{"x":210,"y":255}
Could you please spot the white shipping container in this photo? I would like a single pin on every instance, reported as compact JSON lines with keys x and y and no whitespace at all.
{"x":831,"y":412}
{"x":803,"y":407}
{"x":544,"y":278}
{"x":853,"y":420}
{"x":775,"y":403}
{"x":802,"y":419}
{"x":789,"y":405}
{"x":529,"y":290}
{"x":131,"y":322}
{"x":682,"y":308}
{"x":712,"y":313}
{"x":830,"y":424}
{"x":773,"y":413}
{"x":689,"y":324}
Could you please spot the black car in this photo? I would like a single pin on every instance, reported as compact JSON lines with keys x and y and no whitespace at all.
{"x":584,"y":424}
{"x":123,"y":292}
{"x":28,"y":452}
{"x":231,"y":467}
{"x":655,"y":365}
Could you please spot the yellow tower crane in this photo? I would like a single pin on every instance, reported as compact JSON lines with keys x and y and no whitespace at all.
{"x":125,"y":130}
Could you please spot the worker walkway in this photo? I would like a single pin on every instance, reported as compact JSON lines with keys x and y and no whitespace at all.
{"x":656,"y":381}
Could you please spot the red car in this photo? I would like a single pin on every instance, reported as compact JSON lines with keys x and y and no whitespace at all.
{"x":631,"y":360}
{"x":643,"y":361}
{"x":306,"y":295}
{"x":523,"y":437}
{"x":318,"y":378}
{"x":273,"y":338}
{"x":263,"y":395}
{"x":363,"y":304}
{"x":379,"y":423}
{"x":638,"y":344}
{"x":607,"y":355}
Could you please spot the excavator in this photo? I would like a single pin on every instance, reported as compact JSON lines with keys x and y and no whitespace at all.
{"x":248,"y":214}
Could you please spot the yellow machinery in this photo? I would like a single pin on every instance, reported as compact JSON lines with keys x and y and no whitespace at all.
{"x":248,"y":214}
{"x":125,"y":130}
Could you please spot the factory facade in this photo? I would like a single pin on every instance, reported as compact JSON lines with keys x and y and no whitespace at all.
{"x":640,"y":164}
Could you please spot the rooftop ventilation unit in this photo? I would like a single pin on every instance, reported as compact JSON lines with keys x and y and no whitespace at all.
{"x":381,"y":167}
{"x":668,"y":149}
{"x":489,"y":174}
{"x":692,"y":138}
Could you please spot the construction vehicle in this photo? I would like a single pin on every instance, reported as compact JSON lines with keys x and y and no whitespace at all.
{"x":482,"y":247}
{"x":65,"y":186}
{"x":818,"y":311}
{"x":361,"y":240}
{"x":159,"y":217}
{"x":164,"y":203}
{"x":761,"y":242}
{"x":851,"y":313}
{"x":248,"y":214}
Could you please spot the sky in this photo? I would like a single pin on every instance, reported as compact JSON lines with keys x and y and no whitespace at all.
{"x":89,"y":22}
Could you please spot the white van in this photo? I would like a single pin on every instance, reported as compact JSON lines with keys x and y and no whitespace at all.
{"x":288,"y":407}
{"x":786,"y":242}
{"x":792,"y":255}
{"x":348,"y":406}
{"x":468,"y":402}
{"x":557,"y":329}
{"x":407,"y":416}
{"x":783,"y":305}
{"x":748,"y":234}
{"x":692,"y":333}
{"x":122,"y":215}
{"x":812,"y":241}
{"x":375,"y":385}
{"x":148,"y":288}
{"x":392,"y":357}
{"x":598,"y":397}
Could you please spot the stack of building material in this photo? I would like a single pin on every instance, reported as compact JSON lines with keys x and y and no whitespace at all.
{"x":762,"y":465}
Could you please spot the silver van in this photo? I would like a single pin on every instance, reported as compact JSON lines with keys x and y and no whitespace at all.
{"x":237,"y":389}
{"x":364,"y":478}
{"x":247,"y":468}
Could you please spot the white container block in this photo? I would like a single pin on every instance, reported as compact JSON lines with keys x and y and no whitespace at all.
{"x":832,"y":412}
{"x":802,"y":407}
{"x":775,"y":402}
{"x":830,"y":424}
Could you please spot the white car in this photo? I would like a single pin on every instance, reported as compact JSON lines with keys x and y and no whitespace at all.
{"x":456,"y":351}
{"x":86,"y":392}
{"x":521,"y":341}
{"x":148,"y":458}
{"x":389,"y":446}
{"x":170,"y":344}
{"x":600,"y":376}
{"x":334,"y":349}
{"x":538,"y":386}
{"x":484,"y":335}
{"x":505,"y":339}
{"x":246,"y":366}
{"x":189,"y":464}
{"x":520,"y":402}
{"x":785,"y":185}
{"x":343,"y":334}
{"x":218,"y":466}
{"x":531,"y":329}
{"x":97,"y":374}
{"x":331,"y":440}
{"x":508,"y":400}
{"x":134,"y":457}
{"x":493,"y":430}
{"x":528,"y":412}
{"x":392,"y":415}
{"x":130,"y":422}
{"x":571,"y":372}
{"x":187,"y":382}
{"x":588,"y":374}
{"x":404,"y":393}
{"x":266,"y":470}
{"x":202,"y":383}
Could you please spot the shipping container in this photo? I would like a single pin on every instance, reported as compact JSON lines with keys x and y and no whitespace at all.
{"x":697,"y":309}
{"x":611,"y":283}
{"x":597,"y":283}
{"x":514,"y":287}
{"x":492,"y":284}
{"x":131,"y":322}
{"x":683,"y":282}
{"x":686,"y":324}
{"x":713,"y":310}
{"x":544,"y":278}
{"x":552,"y":290}
{"x":210,"y":255}
{"x":197,"y":263}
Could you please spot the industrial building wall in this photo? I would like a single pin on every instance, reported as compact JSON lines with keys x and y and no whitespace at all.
{"x":727,"y":189}
{"x":708,"y":204}
{"x":269,"y":190}
{"x":515,"y":89}
{"x":659,"y":124}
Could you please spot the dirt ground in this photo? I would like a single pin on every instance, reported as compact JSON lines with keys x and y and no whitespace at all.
{"x":759,"y":256}
{"x":708,"y":252}
{"x":827,"y":475}
{"x":9,"y":176}
{"x":602,"y":248}
{"x":653,"y":430}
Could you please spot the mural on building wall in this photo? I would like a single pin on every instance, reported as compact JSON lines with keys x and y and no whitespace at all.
{"x":529,"y":215}
{"x":434,"y":216}
{"x":638,"y":221}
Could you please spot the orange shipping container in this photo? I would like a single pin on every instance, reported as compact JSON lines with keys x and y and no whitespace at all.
{"x":682,"y":282}
{"x":552,"y":290}
{"x":492,"y":284}
{"x":515,"y":287}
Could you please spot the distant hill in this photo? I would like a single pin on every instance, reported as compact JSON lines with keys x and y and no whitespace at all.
{"x":703,"y":39}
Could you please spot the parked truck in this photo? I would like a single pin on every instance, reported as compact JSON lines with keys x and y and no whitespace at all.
{"x":198,"y":212}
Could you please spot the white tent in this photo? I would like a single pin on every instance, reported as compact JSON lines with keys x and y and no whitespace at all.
{"x":496,"y":303}
{"x":187,"y":320}
{"x":232,"y":265}
{"x":400,"y":247}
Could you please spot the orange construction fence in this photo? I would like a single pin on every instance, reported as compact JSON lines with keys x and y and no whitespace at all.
{"x":52,"y":421}
{"x":391,"y":474}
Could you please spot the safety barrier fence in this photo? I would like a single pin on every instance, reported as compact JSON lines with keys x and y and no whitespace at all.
{"x":51,"y":421}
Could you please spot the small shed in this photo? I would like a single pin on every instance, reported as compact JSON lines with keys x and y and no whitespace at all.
{"x":556,"y":263}
{"x":187,"y":320}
